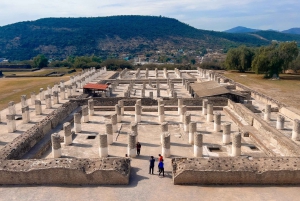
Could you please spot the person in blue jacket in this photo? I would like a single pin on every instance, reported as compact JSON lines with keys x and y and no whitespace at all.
{"x":161,"y":168}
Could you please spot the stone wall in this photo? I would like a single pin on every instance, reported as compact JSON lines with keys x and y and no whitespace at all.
{"x":24,"y":142}
{"x":283,"y":143}
{"x":60,"y":171}
{"x":290,"y":112}
{"x":236,"y":170}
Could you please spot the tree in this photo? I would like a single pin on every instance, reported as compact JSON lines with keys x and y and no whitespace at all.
{"x":232,"y":61}
{"x":239,"y":58}
{"x":40,"y":61}
{"x":272,"y":60}
{"x":115,"y":64}
{"x":288,"y":52}
{"x":295,"y":64}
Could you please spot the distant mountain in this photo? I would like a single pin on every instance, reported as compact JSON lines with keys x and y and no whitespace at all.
{"x":240,"y":29}
{"x":292,"y":31}
{"x":58,"y":38}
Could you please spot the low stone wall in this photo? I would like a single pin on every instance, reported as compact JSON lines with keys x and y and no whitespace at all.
{"x":24,"y":142}
{"x":236,"y":170}
{"x":69,"y":171}
{"x":290,"y":112}
{"x":283,"y":143}
{"x":242,"y":111}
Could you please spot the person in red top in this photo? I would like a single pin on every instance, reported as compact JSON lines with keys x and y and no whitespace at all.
{"x":160,"y":159}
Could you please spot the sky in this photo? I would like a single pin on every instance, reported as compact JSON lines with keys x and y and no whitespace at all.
{"x":217,"y":15}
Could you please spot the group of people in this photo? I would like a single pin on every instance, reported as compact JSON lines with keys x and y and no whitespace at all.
{"x":161,"y":168}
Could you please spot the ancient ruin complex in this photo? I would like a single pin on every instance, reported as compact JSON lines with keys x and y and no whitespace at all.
{"x":210,"y":129}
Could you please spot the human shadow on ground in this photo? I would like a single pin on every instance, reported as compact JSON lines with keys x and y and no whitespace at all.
{"x":168,"y":174}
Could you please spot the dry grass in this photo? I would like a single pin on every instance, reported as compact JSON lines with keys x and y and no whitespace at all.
{"x":286,"y":90}
{"x":41,"y":72}
{"x":11,"y":89}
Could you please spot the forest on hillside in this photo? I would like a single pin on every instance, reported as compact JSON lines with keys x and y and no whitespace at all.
{"x":58,"y":38}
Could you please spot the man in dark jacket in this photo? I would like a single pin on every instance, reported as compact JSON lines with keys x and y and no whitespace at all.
{"x":138,"y":148}
{"x":151,"y":168}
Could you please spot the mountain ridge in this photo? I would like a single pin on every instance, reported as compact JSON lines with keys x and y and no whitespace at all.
{"x":242,"y":29}
{"x":58,"y":38}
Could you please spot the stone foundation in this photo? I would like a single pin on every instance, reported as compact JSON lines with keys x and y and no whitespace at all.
{"x":237,"y":170}
{"x":24,"y":142}
{"x":106,"y":171}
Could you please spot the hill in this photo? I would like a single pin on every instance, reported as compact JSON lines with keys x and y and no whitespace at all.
{"x":109,"y":36}
{"x":240,"y":29}
{"x":292,"y":31}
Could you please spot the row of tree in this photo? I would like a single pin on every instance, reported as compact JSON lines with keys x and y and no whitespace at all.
{"x":269,"y":60}
{"x":83,"y":62}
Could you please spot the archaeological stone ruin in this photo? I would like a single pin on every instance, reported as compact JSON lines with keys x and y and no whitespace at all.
{"x":208,"y":128}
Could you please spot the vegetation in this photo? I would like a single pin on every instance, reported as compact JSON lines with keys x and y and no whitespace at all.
{"x":212,"y":65}
{"x":167,"y":66}
{"x":269,"y":60}
{"x":239,"y":58}
{"x":40,"y":61}
{"x":58,"y":38}
{"x":116,"y":64}
{"x":274,"y":59}
{"x":295,"y":64}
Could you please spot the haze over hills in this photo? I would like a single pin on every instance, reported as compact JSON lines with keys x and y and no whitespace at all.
{"x":241,"y":29}
{"x":108,"y":36}
{"x":292,"y":31}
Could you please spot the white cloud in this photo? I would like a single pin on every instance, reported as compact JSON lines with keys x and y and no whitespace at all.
{"x":208,"y":14}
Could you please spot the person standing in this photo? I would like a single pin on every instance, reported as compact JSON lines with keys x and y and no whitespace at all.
{"x":152,"y":161}
{"x":161,"y":168}
{"x":138,"y":148}
{"x":160,"y":158}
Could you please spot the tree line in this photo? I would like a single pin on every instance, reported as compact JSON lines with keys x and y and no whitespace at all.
{"x":268,"y":60}
{"x":82,"y":62}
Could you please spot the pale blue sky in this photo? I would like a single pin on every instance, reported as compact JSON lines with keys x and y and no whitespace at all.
{"x":215,"y":15}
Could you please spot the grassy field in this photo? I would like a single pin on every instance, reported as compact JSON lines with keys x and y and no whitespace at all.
{"x":286,"y":89}
{"x":11,"y":89}
{"x":41,"y":72}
